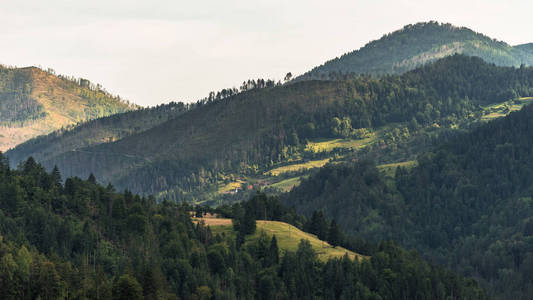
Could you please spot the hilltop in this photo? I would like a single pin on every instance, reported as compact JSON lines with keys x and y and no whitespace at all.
{"x":34,"y":102}
{"x":526,"y":48}
{"x":417,"y":44}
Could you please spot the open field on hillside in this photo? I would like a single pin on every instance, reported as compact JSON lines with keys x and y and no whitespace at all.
{"x":287,"y":184}
{"x":287,"y":235}
{"x":298,"y":167}
{"x":226,"y":188}
{"x":503,"y":109}
{"x":328,"y":145}
{"x":389,"y":169}
{"x":213,"y":222}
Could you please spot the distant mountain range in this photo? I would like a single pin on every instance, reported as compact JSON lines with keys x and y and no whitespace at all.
{"x":239,"y":138}
{"x":418,"y":44}
{"x":35,"y":102}
{"x":189,"y":151}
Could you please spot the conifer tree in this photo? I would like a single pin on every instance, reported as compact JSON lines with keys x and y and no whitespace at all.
{"x":55,"y":178}
{"x":273,"y":252}
{"x":334,"y":235}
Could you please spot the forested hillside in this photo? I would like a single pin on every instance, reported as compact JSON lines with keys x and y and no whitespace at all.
{"x":255,"y":131}
{"x":418,"y":44}
{"x":81,"y":240}
{"x":98,"y":131}
{"x":466,"y":204}
{"x":526,"y":47}
{"x":34,"y":102}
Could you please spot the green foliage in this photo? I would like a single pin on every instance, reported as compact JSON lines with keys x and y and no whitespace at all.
{"x":77,"y":242}
{"x":465,"y":204}
{"x":127,"y":288}
{"x":334,"y":234}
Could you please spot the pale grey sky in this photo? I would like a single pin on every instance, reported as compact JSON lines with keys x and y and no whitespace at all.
{"x":156,"y":51}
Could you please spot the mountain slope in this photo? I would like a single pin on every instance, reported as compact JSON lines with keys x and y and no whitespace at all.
{"x":526,"y":48}
{"x":94,"y":132}
{"x":252,"y":132}
{"x":466,"y":204}
{"x":417,"y":44}
{"x":34,"y":102}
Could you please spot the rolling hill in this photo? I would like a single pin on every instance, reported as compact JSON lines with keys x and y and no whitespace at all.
{"x":288,"y":237}
{"x":526,"y":48}
{"x":241,"y":137}
{"x":34,"y":102}
{"x":418,"y":44}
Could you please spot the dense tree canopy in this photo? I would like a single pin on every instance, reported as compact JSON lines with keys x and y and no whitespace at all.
{"x":466,"y":204}
{"x":80,"y":240}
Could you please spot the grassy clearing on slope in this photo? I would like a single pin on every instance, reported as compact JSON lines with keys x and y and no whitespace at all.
{"x":503,"y":109}
{"x":226,"y":188}
{"x":287,"y":235}
{"x":390,"y":169}
{"x":298,"y":167}
{"x":287,"y":184}
{"x":328,"y":145}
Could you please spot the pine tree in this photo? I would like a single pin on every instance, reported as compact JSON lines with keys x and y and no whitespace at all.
{"x":4,"y":165}
{"x":127,"y":288}
{"x":273,"y":252}
{"x":248,"y":225}
{"x":55,"y":178}
{"x":334,"y":235}
{"x":318,"y":225}
{"x":91,"y":179}
{"x":29,"y":165}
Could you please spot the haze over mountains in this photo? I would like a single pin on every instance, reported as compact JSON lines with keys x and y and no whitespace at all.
{"x":34,"y":102}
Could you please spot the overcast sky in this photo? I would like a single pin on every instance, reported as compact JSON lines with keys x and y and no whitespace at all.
{"x":158,"y":51}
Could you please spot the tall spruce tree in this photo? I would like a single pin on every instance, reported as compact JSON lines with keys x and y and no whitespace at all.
{"x":334,"y":235}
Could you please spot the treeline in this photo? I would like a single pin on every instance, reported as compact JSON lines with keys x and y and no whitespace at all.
{"x":466,"y":204}
{"x":81,"y":240}
{"x":90,"y":89}
{"x":248,"y":85}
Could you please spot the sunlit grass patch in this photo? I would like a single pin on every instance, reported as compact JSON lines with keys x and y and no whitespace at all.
{"x":298,"y":167}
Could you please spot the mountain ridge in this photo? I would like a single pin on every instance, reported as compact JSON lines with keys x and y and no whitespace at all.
{"x":417,"y":44}
{"x":35,"y":102}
